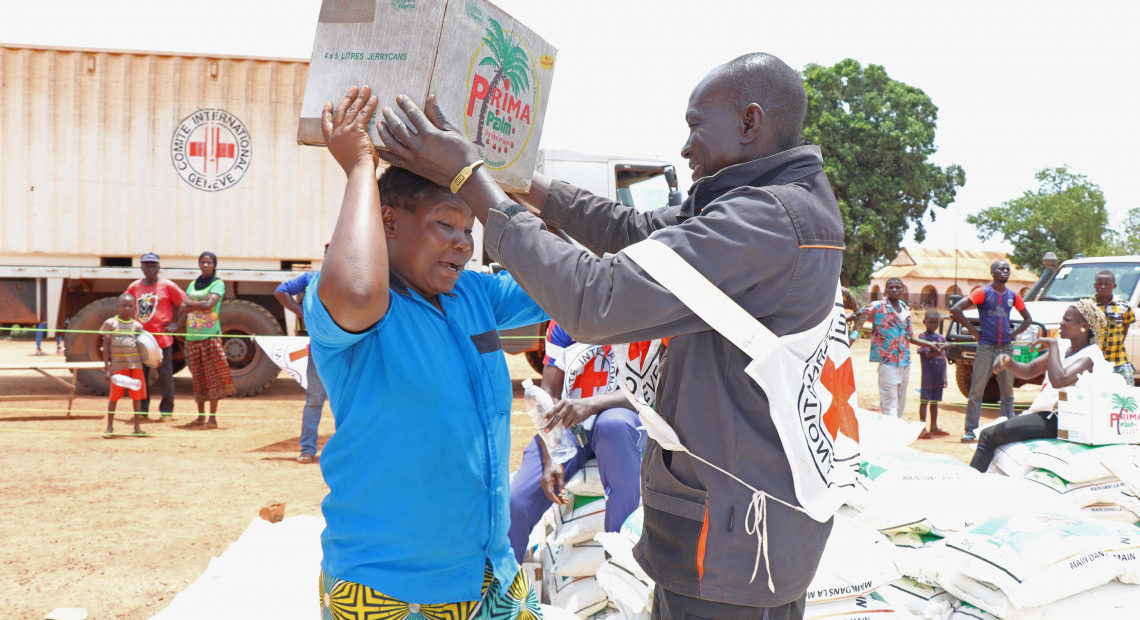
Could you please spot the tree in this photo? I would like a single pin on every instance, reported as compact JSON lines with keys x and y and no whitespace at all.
{"x":877,"y":135}
{"x":1066,"y":216}
{"x":509,"y":61}
{"x":1126,"y":239}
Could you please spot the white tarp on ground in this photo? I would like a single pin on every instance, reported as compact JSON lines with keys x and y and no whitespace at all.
{"x":270,"y":571}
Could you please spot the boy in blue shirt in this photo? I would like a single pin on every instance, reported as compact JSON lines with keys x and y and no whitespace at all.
{"x":406,"y":342}
{"x":933,"y":373}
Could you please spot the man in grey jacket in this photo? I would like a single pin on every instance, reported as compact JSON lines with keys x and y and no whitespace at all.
{"x":762,"y":224}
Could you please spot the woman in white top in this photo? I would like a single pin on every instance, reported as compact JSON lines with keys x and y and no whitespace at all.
{"x":1082,"y":325}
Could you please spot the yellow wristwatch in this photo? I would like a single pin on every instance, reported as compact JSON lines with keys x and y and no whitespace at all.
{"x":463,"y":175}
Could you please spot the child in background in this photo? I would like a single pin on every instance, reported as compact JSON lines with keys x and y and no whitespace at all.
{"x":933,"y":373}
{"x":121,"y":357}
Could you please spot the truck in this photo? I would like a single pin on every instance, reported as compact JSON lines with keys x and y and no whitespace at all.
{"x":1058,"y":287}
{"x":642,"y":183}
{"x":109,"y":154}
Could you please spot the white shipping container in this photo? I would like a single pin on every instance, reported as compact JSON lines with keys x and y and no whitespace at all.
{"x":112,"y":153}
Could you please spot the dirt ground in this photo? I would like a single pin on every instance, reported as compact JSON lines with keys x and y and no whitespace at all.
{"x":119,"y":526}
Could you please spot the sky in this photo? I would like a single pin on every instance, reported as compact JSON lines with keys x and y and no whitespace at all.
{"x":1019,"y":85}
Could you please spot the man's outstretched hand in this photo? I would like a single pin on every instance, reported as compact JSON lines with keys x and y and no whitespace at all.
{"x":346,"y":129}
{"x":435,"y":150}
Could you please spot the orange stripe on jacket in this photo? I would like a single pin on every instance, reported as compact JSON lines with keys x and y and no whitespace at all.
{"x":701,"y":546}
{"x":822,"y":247}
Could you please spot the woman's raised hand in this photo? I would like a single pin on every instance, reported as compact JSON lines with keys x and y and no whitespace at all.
{"x":345,"y":129}
{"x":431,"y":147}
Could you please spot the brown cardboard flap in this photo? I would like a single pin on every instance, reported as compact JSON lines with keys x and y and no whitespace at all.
{"x":347,"y":11}
{"x":1062,"y":434}
{"x":1062,"y":395}
{"x":309,"y":132}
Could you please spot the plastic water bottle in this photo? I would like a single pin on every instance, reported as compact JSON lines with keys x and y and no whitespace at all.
{"x":559,"y":442}
{"x":126,"y":382}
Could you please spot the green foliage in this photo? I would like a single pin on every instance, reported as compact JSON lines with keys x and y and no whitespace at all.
{"x":1066,"y":216}
{"x":1124,"y":240}
{"x":877,"y":135}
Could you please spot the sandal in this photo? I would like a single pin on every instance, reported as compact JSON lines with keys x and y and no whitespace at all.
{"x":924,"y":435}
{"x":939,"y":433}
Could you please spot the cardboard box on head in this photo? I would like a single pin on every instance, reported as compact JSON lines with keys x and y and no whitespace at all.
{"x":491,"y":75}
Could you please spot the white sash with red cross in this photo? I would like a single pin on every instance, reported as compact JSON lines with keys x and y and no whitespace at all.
{"x":807,"y":377}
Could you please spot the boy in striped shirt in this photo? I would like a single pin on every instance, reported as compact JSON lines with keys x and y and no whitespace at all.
{"x":121,"y":357}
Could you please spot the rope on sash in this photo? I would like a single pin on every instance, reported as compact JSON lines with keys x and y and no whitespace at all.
{"x":756,"y":521}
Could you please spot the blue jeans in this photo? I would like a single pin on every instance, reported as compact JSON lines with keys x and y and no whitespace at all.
{"x":616,"y":442}
{"x":314,"y":402}
{"x":40,"y":336}
{"x":983,"y":368}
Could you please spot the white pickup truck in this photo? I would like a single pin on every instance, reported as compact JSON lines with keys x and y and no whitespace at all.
{"x":1058,"y":288}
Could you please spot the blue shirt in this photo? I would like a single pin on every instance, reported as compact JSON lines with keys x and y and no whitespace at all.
{"x":296,"y":286}
{"x":418,"y":497}
{"x":993,"y":313}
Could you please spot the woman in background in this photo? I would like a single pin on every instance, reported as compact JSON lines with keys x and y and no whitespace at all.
{"x":1082,"y":325}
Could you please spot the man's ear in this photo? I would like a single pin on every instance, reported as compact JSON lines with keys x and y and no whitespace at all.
{"x":388,"y":217}
{"x":750,"y":122}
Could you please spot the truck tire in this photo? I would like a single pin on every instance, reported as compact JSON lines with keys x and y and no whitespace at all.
{"x":88,"y":347}
{"x":251,"y":369}
{"x":963,"y":370}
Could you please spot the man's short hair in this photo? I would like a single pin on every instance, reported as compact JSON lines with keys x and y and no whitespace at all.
{"x":1106,"y":272}
{"x":932,"y":313}
{"x":125,"y":296}
{"x":778,"y":89}
{"x":899,"y":280}
{"x":994,"y":265}
{"x":406,"y":190}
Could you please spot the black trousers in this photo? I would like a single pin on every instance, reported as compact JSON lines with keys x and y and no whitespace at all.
{"x":165,"y":382}
{"x":1035,"y":425}
{"x":672,"y":606}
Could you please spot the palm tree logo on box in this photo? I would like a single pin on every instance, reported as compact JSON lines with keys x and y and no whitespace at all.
{"x":501,"y":97}
{"x":1125,"y":418}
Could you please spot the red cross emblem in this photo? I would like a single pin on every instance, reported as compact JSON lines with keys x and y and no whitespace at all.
{"x":591,"y":378}
{"x":211,"y":148}
{"x":638,"y":351}
{"x":840,"y":382}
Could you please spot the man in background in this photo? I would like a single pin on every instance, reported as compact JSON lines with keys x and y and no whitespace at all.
{"x":290,"y":293}
{"x":995,"y":302}
{"x":158,"y":300}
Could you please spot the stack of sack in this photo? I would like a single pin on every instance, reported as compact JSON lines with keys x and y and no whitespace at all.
{"x":585,"y":570}
{"x":1088,"y":477}
{"x":1024,"y":545}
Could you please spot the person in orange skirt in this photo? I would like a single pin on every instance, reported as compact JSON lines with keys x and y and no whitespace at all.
{"x":204,"y":354}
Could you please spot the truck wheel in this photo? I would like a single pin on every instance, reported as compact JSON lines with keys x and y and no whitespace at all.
{"x":250,"y":367}
{"x":963,"y":370}
{"x":88,"y":347}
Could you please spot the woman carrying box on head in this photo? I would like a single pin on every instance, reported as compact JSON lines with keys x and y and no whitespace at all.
{"x":1082,"y":325}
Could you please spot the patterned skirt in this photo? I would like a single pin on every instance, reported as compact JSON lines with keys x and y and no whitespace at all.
{"x":211,"y":372}
{"x":345,"y":600}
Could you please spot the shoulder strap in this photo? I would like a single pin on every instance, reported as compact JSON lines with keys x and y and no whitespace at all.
{"x":703,"y":298}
